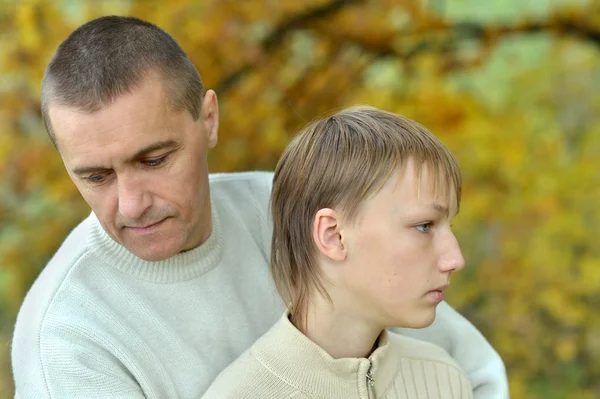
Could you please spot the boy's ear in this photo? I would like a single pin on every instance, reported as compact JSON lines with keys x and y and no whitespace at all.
{"x":327,"y":235}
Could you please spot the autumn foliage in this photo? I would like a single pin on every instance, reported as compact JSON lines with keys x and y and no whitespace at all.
{"x":513,"y":89}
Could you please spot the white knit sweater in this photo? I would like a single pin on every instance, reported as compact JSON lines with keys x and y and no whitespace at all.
{"x":101,"y":323}
{"x":284,"y":363}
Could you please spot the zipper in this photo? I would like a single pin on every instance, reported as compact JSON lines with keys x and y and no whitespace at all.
{"x":370,"y":382}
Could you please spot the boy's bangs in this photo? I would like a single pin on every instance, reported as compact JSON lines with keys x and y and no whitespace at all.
{"x":446,"y":182}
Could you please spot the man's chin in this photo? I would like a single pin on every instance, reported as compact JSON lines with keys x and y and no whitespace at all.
{"x":153,"y":254}
{"x":153,"y":249}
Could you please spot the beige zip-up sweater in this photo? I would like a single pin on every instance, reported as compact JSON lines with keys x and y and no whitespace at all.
{"x":284,"y":363}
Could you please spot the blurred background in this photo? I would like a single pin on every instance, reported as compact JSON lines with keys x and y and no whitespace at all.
{"x":511,"y":86}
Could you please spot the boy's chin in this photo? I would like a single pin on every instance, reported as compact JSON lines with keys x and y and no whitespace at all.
{"x":421,"y":320}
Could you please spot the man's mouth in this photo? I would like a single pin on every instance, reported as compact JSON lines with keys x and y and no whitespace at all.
{"x":146,"y":228}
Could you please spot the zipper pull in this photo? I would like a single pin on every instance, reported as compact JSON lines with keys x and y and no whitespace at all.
{"x":370,"y":382}
{"x":370,"y":379}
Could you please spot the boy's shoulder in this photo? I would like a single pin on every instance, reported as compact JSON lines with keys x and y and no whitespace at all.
{"x":252,"y":375}
{"x":423,"y":365}
{"x":415,"y":349}
{"x":248,"y":378}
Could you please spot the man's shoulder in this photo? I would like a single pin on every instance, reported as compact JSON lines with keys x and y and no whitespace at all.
{"x":241,"y":190}
{"x":242,"y":199}
{"x":54,"y":274}
{"x":70,"y":252}
{"x":36,"y":309}
{"x":256,"y":177}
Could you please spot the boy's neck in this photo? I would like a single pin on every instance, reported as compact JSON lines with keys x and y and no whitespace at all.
{"x":340,"y":333}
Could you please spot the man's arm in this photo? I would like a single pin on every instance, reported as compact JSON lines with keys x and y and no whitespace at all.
{"x":59,"y":353}
{"x":68,"y":369}
{"x":469,"y":348}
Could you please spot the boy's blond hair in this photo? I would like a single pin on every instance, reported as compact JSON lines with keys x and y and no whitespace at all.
{"x":338,"y":162}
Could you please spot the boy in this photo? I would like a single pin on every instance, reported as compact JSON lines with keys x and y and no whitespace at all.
{"x":362,"y":206}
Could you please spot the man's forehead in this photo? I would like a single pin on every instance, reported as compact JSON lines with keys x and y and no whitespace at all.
{"x":145,"y":105}
{"x":71,"y":120}
{"x":76,"y":130}
{"x":64,"y":118}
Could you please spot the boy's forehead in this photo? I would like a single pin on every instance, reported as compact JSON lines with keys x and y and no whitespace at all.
{"x":425,"y":186}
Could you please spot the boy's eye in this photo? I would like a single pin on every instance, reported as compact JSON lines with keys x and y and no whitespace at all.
{"x":154,"y":162}
{"x":424,"y":228}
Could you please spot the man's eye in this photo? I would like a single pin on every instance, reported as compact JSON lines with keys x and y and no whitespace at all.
{"x":154,"y":162}
{"x":96,"y":178}
{"x":424,"y":228}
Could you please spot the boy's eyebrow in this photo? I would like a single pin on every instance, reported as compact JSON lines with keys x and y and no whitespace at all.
{"x":139,"y":154}
{"x":440,"y":208}
{"x":443,"y":210}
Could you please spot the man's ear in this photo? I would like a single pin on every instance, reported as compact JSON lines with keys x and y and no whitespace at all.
{"x":209,"y":117}
{"x":327,"y":235}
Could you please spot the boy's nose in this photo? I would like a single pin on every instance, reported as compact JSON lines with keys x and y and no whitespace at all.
{"x":451,"y":259}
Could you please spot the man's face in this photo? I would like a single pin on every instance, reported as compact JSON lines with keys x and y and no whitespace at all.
{"x":142,"y":168}
{"x":400,"y":250}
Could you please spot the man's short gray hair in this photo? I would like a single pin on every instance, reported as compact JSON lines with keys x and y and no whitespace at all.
{"x":110,"y":56}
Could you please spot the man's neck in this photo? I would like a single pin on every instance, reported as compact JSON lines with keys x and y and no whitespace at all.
{"x":341,"y":333}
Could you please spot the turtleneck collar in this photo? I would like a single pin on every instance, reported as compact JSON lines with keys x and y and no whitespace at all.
{"x":181,"y":267}
{"x":300,"y":362}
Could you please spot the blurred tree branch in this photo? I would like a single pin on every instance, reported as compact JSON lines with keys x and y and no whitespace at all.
{"x":438,"y":38}
{"x":446,"y":39}
{"x":298,"y":21}
{"x":558,"y":26}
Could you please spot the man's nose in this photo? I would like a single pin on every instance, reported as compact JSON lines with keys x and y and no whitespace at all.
{"x":134,"y":200}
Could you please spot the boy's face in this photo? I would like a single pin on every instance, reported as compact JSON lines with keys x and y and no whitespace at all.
{"x":401,"y":252}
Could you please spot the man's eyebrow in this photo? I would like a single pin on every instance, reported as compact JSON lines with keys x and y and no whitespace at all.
{"x":89,"y":169}
{"x":140,"y":154}
{"x":154,"y":147}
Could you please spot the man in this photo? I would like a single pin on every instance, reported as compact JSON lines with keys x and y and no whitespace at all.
{"x":167,"y":281}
